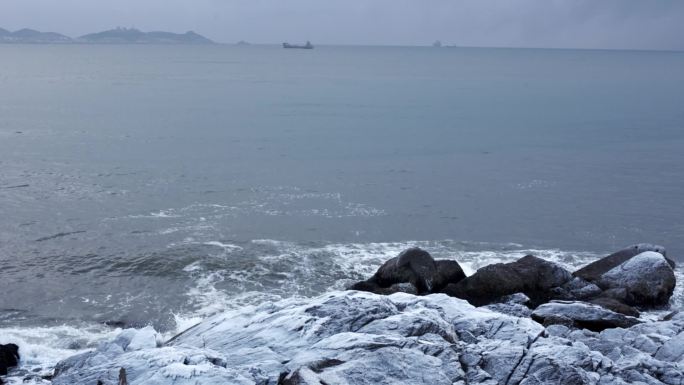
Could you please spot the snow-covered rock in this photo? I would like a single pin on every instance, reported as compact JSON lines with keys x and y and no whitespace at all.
{"x":138,"y":339}
{"x":514,"y":304}
{"x":582,"y":315}
{"x":363,"y":338}
{"x":593,"y":271}
{"x":646,"y":279}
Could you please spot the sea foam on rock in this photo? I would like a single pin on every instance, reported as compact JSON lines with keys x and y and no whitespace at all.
{"x":363,"y":338}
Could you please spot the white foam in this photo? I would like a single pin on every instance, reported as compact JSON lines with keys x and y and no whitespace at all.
{"x":170,"y":230}
{"x":164,"y":214}
{"x":42,"y":347}
{"x":226,"y":246}
{"x":270,"y":242}
{"x":195,"y":266}
{"x":183,"y":323}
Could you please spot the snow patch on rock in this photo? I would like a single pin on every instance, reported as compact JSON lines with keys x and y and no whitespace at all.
{"x":364,"y":338}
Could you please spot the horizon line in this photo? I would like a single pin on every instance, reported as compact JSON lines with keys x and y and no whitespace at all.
{"x":413,"y":45}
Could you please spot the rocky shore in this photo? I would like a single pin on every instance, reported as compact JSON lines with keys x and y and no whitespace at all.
{"x":422,"y":321}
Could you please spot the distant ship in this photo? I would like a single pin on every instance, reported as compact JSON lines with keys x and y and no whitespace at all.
{"x":308,"y":45}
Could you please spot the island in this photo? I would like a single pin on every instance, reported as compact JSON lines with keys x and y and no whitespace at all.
{"x":113,"y":36}
{"x":135,"y":36}
{"x":31,"y":36}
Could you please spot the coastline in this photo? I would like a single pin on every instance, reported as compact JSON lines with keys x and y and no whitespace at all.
{"x":283,"y":318}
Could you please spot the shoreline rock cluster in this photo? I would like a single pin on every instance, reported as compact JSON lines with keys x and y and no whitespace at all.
{"x":422,"y":321}
{"x":606,"y":293}
{"x":357,"y":337}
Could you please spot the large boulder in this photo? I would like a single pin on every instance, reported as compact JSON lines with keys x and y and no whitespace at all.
{"x":530,"y":275}
{"x":646,"y":279}
{"x":593,"y":271}
{"x":9,"y":357}
{"x":448,"y":272}
{"x":581,"y":315}
{"x":416,"y":267}
{"x":578,"y":289}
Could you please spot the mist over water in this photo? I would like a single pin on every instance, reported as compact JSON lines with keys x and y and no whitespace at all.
{"x":159,"y":184}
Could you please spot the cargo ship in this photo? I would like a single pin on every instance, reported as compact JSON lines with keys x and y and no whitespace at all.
{"x":308,"y":45}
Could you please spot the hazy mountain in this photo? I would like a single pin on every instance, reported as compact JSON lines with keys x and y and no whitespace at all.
{"x":114,"y":36}
{"x":32,"y":36}
{"x":134,"y":36}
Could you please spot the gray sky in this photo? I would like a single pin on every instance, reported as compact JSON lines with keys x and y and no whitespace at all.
{"x":636,"y":24}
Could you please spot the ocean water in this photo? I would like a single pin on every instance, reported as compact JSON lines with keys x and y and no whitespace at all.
{"x":160,"y":184}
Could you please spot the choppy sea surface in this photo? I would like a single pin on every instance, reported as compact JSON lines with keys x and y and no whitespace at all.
{"x":161,"y":184}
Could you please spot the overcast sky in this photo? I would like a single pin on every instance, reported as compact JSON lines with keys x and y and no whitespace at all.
{"x":637,"y":24}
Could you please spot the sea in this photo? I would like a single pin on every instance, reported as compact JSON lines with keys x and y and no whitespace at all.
{"x":157,"y":185}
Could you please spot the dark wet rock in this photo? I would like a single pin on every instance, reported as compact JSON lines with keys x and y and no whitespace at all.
{"x":619,"y":294}
{"x":583,"y":315}
{"x":670,"y":316}
{"x":123,"y":378}
{"x":117,"y":324}
{"x":646,"y":279}
{"x":415,"y":267}
{"x":593,"y":271}
{"x":578,"y":289}
{"x":616,"y":306}
{"x":448,"y":272}
{"x":558,"y":320}
{"x":368,"y":285}
{"x":530,"y":275}
{"x":34,"y":378}
{"x":9,"y":357}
